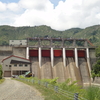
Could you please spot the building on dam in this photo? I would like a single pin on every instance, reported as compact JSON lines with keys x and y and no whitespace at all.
{"x":49,"y":58}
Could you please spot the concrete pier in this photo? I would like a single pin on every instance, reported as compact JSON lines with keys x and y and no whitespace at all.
{"x":39,"y":56}
{"x":52,"y":57}
{"x":64,"y":57}
{"x":76,"y":57}
{"x":88,"y":60}
{"x":27,"y":52}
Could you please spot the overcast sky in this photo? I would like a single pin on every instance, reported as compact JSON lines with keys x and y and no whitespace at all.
{"x":58,"y":14}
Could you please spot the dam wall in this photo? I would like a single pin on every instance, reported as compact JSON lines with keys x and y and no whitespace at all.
{"x":84,"y":70}
{"x":46,"y":70}
{"x":58,"y":69}
{"x":19,"y":51}
{"x":35,"y":69}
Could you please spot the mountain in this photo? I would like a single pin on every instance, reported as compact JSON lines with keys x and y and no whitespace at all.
{"x":14,"y":33}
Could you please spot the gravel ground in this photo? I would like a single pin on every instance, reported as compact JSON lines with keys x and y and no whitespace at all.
{"x":15,"y":90}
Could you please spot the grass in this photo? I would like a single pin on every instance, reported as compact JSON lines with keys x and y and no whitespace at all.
{"x":90,"y":93}
{"x":2,"y":80}
{"x":48,"y":94}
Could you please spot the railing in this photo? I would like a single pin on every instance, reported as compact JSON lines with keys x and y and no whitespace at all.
{"x":67,"y":94}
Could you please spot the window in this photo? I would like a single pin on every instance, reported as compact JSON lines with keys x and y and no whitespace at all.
{"x":15,"y":65}
{"x":26,"y":65}
{"x":9,"y":65}
{"x":20,"y":65}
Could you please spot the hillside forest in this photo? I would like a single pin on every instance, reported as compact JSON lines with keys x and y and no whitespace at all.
{"x":16,"y":33}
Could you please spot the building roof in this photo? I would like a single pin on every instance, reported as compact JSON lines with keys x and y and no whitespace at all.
{"x":19,"y":62}
{"x":16,"y":57}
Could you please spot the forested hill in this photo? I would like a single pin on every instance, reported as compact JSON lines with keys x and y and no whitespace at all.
{"x":11,"y":33}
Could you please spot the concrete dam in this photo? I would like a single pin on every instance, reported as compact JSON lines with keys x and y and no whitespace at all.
{"x":51,"y":68}
{"x":56,"y":57}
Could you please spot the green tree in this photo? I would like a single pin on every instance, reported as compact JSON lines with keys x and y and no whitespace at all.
{"x":98,"y":52}
{"x":1,"y":72}
{"x":96,"y":67}
{"x":4,"y":43}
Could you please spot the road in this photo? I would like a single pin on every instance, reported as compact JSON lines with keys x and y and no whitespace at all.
{"x":15,"y":90}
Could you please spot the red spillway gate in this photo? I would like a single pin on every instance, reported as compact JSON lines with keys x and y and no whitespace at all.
{"x":81,"y":53}
{"x":33,"y":53}
{"x":69,"y":53}
{"x":45,"y":53}
{"x":57,"y":53}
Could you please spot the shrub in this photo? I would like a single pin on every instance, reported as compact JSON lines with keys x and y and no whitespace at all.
{"x":1,"y":72}
{"x":92,"y":93}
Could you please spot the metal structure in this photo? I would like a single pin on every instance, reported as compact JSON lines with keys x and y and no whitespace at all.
{"x":59,"y":42}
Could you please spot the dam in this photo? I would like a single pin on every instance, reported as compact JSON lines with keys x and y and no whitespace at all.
{"x":56,"y":57}
{"x":60,"y":59}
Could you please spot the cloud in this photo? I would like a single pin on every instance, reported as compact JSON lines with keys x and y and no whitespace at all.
{"x":13,"y":7}
{"x":35,"y":4}
{"x":68,"y":14}
{"x":36,"y":13}
{"x":2,"y":7}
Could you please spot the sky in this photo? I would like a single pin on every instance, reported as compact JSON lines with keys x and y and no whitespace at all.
{"x":58,"y":14}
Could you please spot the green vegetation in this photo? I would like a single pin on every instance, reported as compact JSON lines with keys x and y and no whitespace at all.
{"x":92,"y":93}
{"x":89,"y":93}
{"x":12,"y":33}
{"x":48,"y":94}
{"x":96,"y":67}
{"x":2,"y":80}
{"x":98,"y":52}
{"x":1,"y":72}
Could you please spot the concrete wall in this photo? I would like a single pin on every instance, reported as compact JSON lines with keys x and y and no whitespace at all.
{"x":96,"y":80}
{"x":46,"y":69}
{"x":73,"y":71}
{"x":84,"y":71}
{"x":19,"y":51}
{"x":92,"y":56}
{"x":35,"y":67}
{"x":5,"y":54}
{"x":58,"y":69}
{"x":22,"y":68}
{"x":5,"y":48}
{"x":79,"y":73}
{"x":5,"y":51}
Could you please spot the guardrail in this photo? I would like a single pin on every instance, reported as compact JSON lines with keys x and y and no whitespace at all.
{"x":67,"y":94}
